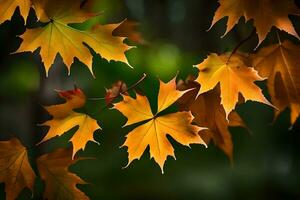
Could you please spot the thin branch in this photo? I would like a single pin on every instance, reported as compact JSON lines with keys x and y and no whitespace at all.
{"x":96,"y":98}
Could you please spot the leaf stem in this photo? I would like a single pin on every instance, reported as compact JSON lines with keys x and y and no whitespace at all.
{"x":83,"y":3}
{"x":240,"y":44}
{"x":136,"y":84}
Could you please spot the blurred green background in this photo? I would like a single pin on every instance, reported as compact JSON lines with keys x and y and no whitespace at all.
{"x":266,"y":161}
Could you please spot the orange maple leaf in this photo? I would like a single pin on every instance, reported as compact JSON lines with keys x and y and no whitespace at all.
{"x":280,"y":63}
{"x":58,"y":38}
{"x":234,"y":77}
{"x":155,"y":128}
{"x":64,"y":119}
{"x":15,"y":170}
{"x":8,"y":8}
{"x":60,"y":183}
{"x":265,"y":15}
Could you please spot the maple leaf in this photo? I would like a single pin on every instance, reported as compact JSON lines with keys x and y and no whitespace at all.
{"x":57,"y":37}
{"x":209,"y":113}
{"x":60,"y":183}
{"x":234,"y":77}
{"x":129,"y":29}
{"x":265,"y":15}
{"x":64,"y":119}
{"x":153,"y":132}
{"x":8,"y":8}
{"x":280,"y":63}
{"x":15,"y":170}
{"x":116,"y":89}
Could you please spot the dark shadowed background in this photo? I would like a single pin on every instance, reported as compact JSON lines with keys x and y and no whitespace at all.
{"x":266,"y":160}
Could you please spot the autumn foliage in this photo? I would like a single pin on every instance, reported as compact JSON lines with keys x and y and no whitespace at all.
{"x":206,"y":103}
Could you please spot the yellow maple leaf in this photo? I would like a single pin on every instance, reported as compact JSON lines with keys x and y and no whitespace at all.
{"x":64,"y":119}
{"x":57,"y":37}
{"x":234,"y":77}
{"x":280,"y":63}
{"x":265,"y":15}
{"x":60,"y":183}
{"x":8,"y":8}
{"x":209,"y":113}
{"x":15,"y":170}
{"x":153,"y":132}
